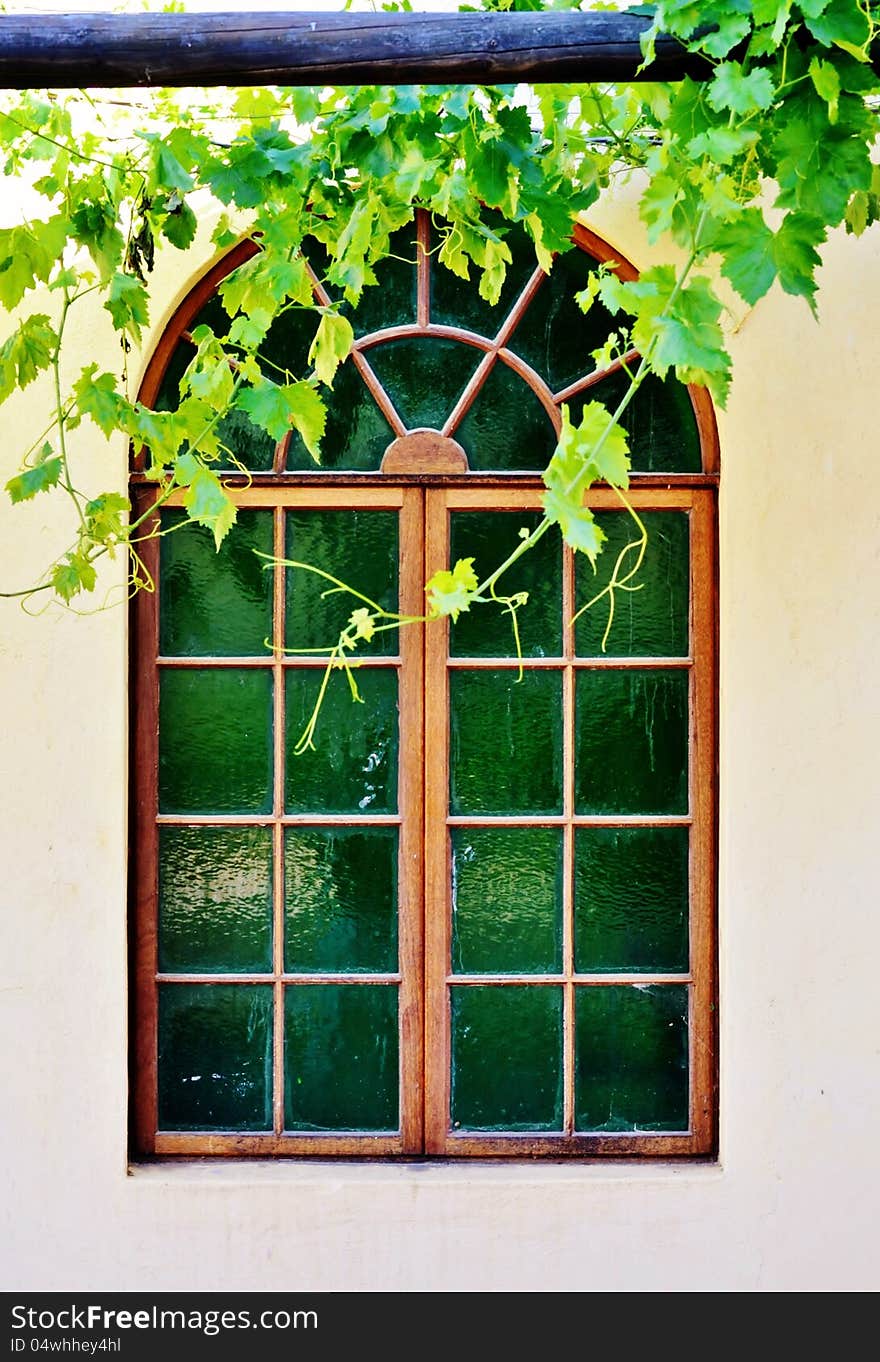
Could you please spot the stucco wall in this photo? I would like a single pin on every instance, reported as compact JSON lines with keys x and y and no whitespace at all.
{"x":792,"y":1204}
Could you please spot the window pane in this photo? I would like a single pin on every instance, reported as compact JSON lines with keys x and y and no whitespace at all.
{"x":507,"y":428}
{"x":423,"y":378}
{"x":340,"y":1057}
{"x":507,"y":1057}
{"x":341,"y":899}
{"x":649,"y":622}
{"x":506,"y":742}
{"x":631,"y":1064}
{"x":353,"y":768}
{"x":457,"y":302}
{"x":660,"y":421}
{"x":215,"y":899}
{"x":555,"y":336}
{"x":506,"y":900}
{"x":210,"y":603}
{"x":356,"y":435}
{"x":631,"y":742}
{"x":215,"y":1057}
{"x":357,"y":547}
{"x":215,"y":740}
{"x":489,"y":537}
{"x":631,"y":899}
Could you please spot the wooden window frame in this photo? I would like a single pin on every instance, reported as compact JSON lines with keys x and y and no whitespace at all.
{"x":424,"y":501}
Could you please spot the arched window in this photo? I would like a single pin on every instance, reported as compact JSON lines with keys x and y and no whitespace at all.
{"x":477,"y":919}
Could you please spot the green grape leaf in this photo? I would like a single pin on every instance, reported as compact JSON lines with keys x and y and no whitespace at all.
{"x":731,"y":88}
{"x":208,"y":504}
{"x":97,"y":396}
{"x":73,"y":574}
{"x":592,"y":451}
{"x":449,"y":593}
{"x":276,"y":407}
{"x":105,"y":516}
{"x":26,"y":353}
{"x":127,"y":304}
{"x":826,"y":82}
{"x":42,"y":475}
{"x":363,"y":622}
{"x":331,"y":345}
{"x":27,"y":255}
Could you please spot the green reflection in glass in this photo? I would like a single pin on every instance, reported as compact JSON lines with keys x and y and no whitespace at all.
{"x":356,"y":435}
{"x":211,"y":603}
{"x":356,"y":547}
{"x":340,"y":899}
{"x":423,"y":378}
{"x":631,"y":741}
{"x":457,"y":302}
{"x":353,"y":768}
{"x":341,"y":1057}
{"x":391,"y":301}
{"x":215,"y":899}
{"x":649,"y":622}
{"x":555,"y":337}
{"x":631,"y":1057}
{"x":506,"y":742}
{"x":631,"y":899}
{"x":215,"y":740}
{"x":507,"y":429}
{"x":489,"y":537}
{"x":215,"y":1057}
{"x":506,"y":900}
{"x":660,"y":421}
{"x":507,"y":1057}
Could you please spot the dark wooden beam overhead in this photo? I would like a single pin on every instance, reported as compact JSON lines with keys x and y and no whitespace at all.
{"x":68,"y":51}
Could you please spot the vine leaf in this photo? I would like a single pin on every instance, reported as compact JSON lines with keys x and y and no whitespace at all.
{"x":207,"y":504}
{"x":97,"y":397}
{"x":595,"y":450}
{"x":39,"y":478}
{"x":449,"y":593}
{"x":74,"y":573}
{"x":276,"y":407}
{"x":330,"y":346}
{"x":28,"y":254}
{"x":754,"y":256}
{"x":25,"y":353}
{"x":127,"y":304}
{"x":731,"y":88}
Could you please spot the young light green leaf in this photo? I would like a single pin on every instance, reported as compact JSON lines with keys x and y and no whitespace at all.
{"x":42,"y":475}
{"x":449,"y":593}
{"x":331,"y":345}
{"x":127,"y":304}
{"x":73,"y":574}
{"x":827,"y":84}
{"x":733,"y":88}
{"x":97,"y":396}
{"x":25,"y":353}
{"x":208,"y":504}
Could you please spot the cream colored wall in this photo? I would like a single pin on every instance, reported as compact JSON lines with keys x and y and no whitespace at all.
{"x":793,"y":1203}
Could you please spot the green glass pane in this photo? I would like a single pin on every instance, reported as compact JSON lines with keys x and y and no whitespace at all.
{"x":506,"y":900}
{"x":555,"y":337}
{"x":423,"y":378}
{"x":215,"y":1057}
{"x":507,"y":429}
{"x":358,"y":548}
{"x":356,"y":435}
{"x":457,"y":302}
{"x":353,"y":766}
{"x":650,"y":622}
{"x":215,"y":899}
{"x":215,"y":603}
{"x":340,"y":900}
{"x":631,"y":1057}
{"x":506,"y":742}
{"x":631,"y":741}
{"x":661,"y":424}
{"x":215,"y":740}
{"x":391,"y":301}
{"x":507,"y":1057}
{"x":341,"y":1057}
{"x":245,"y":442}
{"x":631,"y":899}
{"x":489,"y":537}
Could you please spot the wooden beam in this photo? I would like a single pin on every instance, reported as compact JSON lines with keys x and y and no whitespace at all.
{"x":70,"y":51}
